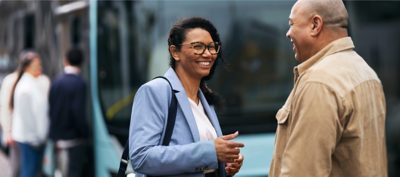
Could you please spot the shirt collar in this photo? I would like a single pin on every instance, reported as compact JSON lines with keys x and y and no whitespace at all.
{"x":71,"y":70}
{"x":333,"y":47}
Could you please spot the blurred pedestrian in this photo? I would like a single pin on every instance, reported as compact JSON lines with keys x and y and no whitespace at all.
{"x":333,"y":122}
{"x":29,"y":102}
{"x":6,"y":119}
{"x":68,"y":122}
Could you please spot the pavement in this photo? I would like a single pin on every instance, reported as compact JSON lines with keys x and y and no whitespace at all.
{"x":5,"y":165}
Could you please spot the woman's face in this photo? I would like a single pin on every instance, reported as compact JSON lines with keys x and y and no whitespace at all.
{"x":191,"y":59}
{"x":35,"y":68}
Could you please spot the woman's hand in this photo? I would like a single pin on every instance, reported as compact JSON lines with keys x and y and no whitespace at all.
{"x":10,"y":141}
{"x":227,"y":150}
{"x":232,"y":168}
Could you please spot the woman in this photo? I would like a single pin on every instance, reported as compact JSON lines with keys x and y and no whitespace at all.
{"x":29,"y":104}
{"x":197,"y":147}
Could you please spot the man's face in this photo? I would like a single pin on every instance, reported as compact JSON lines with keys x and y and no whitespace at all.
{"x":298,"y":33}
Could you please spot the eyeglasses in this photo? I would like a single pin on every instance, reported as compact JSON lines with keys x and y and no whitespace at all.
{"x":200,"y":48}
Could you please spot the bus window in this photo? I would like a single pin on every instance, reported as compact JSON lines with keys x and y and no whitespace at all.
{"x":123,"y":53}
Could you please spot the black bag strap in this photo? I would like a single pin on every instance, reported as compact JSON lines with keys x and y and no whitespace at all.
{"x":171,"y":115}
{"x":167,"y":136}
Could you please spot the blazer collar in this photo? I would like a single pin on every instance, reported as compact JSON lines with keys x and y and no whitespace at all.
{"x":183,"y":102}
{"x":174,"y":79}
{"x":185,"y":105}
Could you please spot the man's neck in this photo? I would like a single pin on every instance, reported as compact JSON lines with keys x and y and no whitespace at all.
{"x":71,"y":70}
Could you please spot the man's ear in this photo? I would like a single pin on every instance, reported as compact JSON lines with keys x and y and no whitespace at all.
{"x":316,"y":25}
{"x":174,"y":52}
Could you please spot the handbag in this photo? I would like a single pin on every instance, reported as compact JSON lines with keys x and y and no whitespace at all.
{"x":167,"y":136}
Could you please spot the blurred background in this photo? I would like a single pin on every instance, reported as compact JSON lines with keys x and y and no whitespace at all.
{"x":125,"y":44}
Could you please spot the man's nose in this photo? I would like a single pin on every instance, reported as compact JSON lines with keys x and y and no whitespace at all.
{"x":288,"y":34}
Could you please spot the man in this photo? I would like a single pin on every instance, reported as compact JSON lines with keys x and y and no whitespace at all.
{"x":68,"y":124}
{"x":333,"y":122}
{"x":6,"y":119}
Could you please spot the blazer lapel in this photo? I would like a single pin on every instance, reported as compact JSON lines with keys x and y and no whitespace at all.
{"x":211,"y":114}
{"x":183,"y":103}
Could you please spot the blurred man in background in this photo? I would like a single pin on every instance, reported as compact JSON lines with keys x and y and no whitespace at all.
{"x":333,"y":122}
{"x":68,"y":123}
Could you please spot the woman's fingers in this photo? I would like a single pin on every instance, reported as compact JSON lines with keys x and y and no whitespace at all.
{"x":228,"y":150}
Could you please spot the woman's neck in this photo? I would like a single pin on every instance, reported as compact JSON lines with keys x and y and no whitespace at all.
{"x":190,"y":84}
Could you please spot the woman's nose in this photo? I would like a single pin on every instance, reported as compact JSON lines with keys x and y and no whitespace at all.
{"x":207,"y":53}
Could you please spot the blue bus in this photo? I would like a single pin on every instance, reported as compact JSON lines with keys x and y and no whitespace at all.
{"x":129,"y":47}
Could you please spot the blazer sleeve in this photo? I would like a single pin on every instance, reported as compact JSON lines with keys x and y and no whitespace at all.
{"x":148,"y":118}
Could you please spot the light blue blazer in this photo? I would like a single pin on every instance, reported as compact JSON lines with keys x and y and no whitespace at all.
{"x":186,"y":155}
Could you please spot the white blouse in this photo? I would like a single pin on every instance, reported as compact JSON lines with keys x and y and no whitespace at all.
{"x":206,"y":129}
{"x":30,"y":118}
{"x":5,"y":95}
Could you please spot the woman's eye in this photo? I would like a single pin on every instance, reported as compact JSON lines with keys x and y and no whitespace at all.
{"x":198,"y":46}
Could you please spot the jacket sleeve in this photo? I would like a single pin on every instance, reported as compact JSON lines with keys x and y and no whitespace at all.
{"x":148,"y":118}
{"x":78,"y":110}
{"x":315,"y":131}
{"x":5,"y":113}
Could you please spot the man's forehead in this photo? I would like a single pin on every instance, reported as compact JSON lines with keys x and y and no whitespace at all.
{"x":300,"y":8}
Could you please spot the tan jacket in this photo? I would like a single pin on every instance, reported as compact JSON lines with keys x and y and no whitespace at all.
{"x":333,"y":122}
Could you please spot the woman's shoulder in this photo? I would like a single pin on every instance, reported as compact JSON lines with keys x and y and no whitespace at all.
{"x":44,"y":81}
{"x":44,"y":78}
{"x":157,"y":86}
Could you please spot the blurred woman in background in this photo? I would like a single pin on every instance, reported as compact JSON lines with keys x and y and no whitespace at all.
{"x":29,"y":102}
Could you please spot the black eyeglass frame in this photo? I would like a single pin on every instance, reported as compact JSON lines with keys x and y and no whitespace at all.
{"x":216,"y":45}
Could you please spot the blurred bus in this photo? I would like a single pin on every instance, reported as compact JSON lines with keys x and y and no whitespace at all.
{"x":126,"y":46}
{"x":254,"y":79}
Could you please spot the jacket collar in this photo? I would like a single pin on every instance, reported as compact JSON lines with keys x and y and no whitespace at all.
{"x":184,"y":104}
{"x":336,"y":46}
{"x":174,"y":79}
{"x":71,"y":70}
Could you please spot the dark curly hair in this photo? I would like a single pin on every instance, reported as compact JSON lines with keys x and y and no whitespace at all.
{"x":176,"y":37}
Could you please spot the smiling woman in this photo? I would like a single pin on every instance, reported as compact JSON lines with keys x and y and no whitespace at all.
{"x":191,"y":60}
{"x":197,"y":147}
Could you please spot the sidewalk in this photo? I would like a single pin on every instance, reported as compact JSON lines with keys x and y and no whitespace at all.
{"x":4,"y":165}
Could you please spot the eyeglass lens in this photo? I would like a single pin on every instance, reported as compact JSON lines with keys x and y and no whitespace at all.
{"x":200,"y":47}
